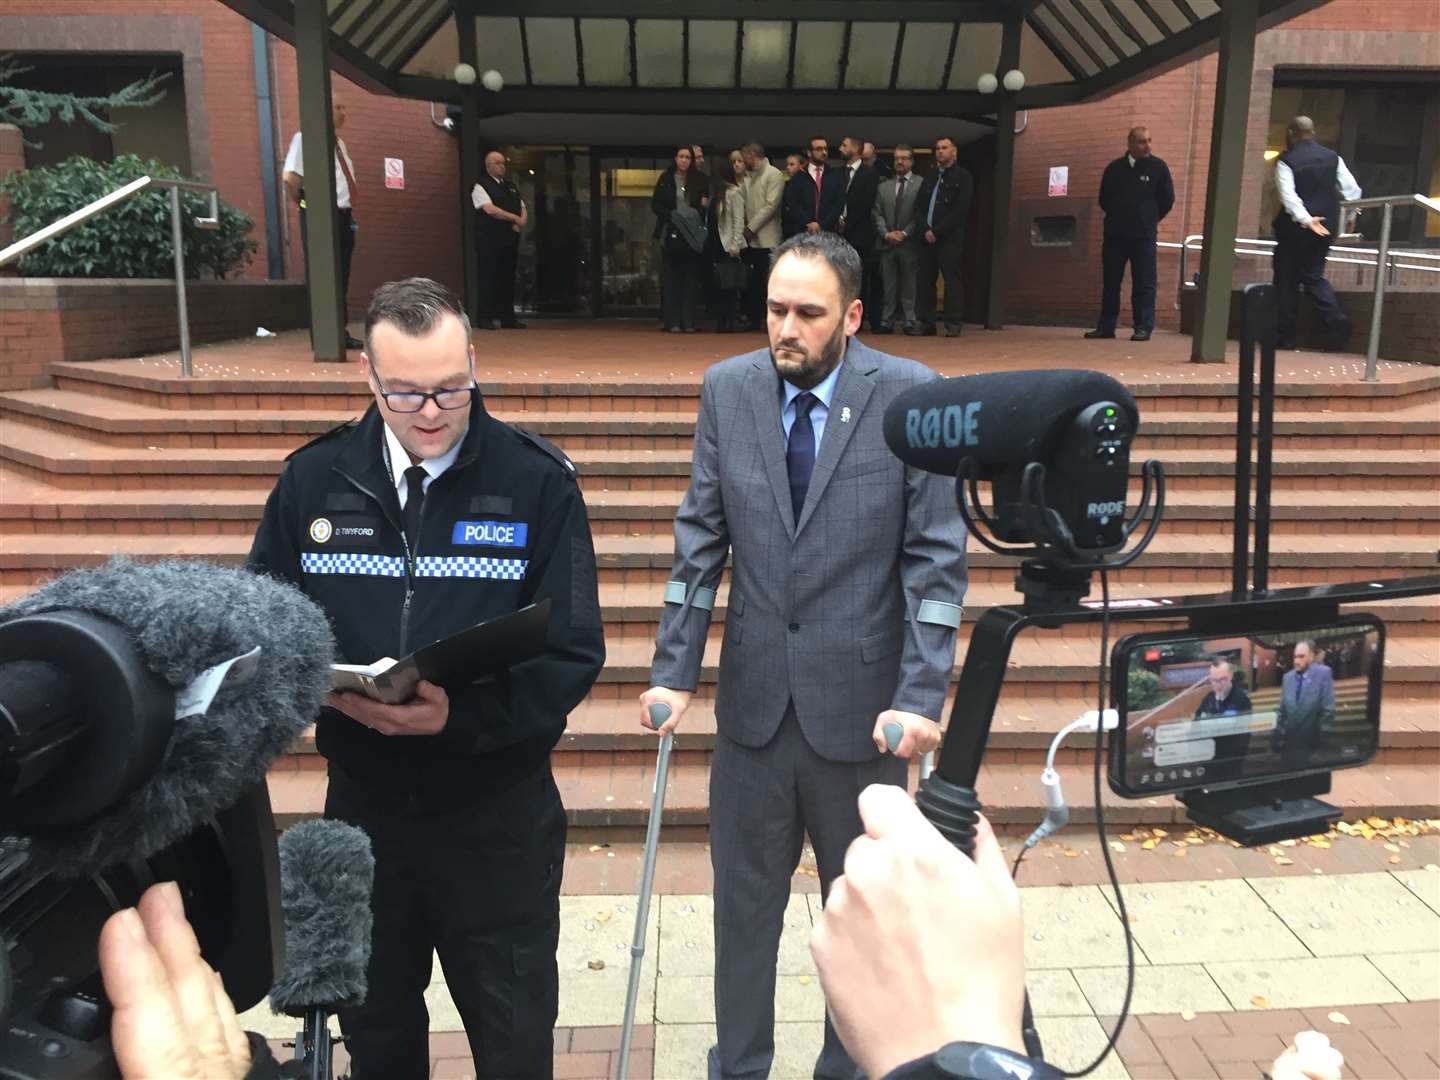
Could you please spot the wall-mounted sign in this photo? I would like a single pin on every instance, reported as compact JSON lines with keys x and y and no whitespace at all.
{"x":395,"y":173}
{"x":1059,"y":181}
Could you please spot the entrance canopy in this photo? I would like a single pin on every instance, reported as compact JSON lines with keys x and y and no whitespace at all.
{"x":814,"y":58}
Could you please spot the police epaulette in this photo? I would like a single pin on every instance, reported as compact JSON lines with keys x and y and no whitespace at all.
{"x":336,"y":430}
{"x":548,"y":447}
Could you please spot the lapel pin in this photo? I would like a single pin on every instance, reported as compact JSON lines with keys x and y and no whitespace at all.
{"x":845,"y":414}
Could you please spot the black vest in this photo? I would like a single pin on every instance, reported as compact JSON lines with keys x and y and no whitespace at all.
{"x":504,"y":195}
{"x":1315,"y":168}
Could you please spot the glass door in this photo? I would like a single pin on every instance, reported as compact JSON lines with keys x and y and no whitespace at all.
{"x":629,"y":255}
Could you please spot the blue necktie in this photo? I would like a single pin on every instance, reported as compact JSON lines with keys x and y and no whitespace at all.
{"x":800,"y":454}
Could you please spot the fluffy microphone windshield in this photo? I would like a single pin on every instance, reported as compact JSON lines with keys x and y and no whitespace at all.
{"x":186,"y":617}
{"x":327,"y":873}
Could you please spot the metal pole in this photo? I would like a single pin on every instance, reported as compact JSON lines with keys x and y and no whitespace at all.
{"x":1003,"y":181}
{"x":1263,"y":311}
{"x":1244,"y":415}
{"x":1373,"y":352}
{"x":180,"y":310}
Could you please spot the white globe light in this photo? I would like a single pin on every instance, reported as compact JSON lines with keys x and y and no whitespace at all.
{"x":1014,"y":80}
{"x":464,"y":74}
{"x":987,"y":83}
{"x":493,"y":81}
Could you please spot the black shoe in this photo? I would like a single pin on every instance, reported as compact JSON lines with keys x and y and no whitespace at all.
{"x":353,"y":342}
{"x":953,"y":331}
{"x":516,"y":325}
{"x":495,"y":324}
{"x":1140,"y":335}
{"x":691,"y":330}
{"x":672,"y":330}
{"x":884,"y":330}
{"x":1099,"y":333}
{"x":920,"y":331}
{"x":1289,"y":346}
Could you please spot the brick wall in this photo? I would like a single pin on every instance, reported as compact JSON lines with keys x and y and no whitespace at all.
{"x":48,"y":319}
{"x":12,"y":159}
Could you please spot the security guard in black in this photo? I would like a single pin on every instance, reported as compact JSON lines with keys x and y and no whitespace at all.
{"x":455,"y":792}
{"x":1136,"y":193}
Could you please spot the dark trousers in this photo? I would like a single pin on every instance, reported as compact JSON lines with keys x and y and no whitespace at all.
{"x":872,"y":289}
{"x":497,"y":275}
{"x":345,"y":225}
{"x":480,"y":885}
{"x":757,"y":265}
{"x":940,"y":258}
{"x":1300,"y":262}
{"x":762,"y":804}
{"x":679,"y":281}
{"x":1139,"y":252}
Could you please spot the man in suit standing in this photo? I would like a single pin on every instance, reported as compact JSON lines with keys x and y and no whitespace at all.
{"x":1307,"y":707}
{"x":847,"y":579}
{"x":763,"y":188}
{"x":1311,"y":179}
{"x":857,"y":222}
{"x":815,"y":196}
{"x":941,"y":213}
{"x":1136,"y":193}
{"x":895,"y":232}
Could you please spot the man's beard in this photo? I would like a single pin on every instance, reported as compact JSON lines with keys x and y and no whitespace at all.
{"x":809,"y":371}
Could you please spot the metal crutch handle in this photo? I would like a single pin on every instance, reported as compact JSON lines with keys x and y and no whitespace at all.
{"x":656,"y":715}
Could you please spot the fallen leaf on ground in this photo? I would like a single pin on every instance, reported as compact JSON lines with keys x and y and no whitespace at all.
{"x":1275,"y":850}
{"x":1188,"y":1015}
{"x":1116,"y":845}
{"x":597,"y":965}
{"x":1071,"y":853}
{"x":1182,"y":852}
{"x":1337,"y":1017}
{"x":1193,"y":841}
{"x":1149,"y":844}
{"x":804,"y":980}
{"x":597,"y":847}
{"x":1320,"y":843}
{"x":1394,"y":859}
{"x":1280,"y":860}
{"x":1392,"y":847}
{"x":602,"y":916}
{"x":1260,"y":1001}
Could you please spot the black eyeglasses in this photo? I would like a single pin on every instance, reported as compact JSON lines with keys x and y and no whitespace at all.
{"x":412,"y":401}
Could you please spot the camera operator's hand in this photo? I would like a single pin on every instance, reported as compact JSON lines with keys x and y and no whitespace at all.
{"x":918,"y":946}
{"x":678,"y":700}
{"x":921,"y":734}
{"x":1309,"y":1057}
{"x":426,"y":713}
{"x":173,"y":1019}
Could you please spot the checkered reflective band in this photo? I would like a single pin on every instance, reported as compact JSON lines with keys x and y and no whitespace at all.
{"x":470,"y":566}
{"x":331,"y":562}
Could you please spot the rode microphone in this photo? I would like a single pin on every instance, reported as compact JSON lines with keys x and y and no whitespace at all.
{"x":327,"y":874}
{"x":140,"y":708}
{"x":1054,"y":445}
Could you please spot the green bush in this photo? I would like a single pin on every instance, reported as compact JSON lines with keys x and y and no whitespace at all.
{"x":1143,"y":690}
{"x":129,"y":240}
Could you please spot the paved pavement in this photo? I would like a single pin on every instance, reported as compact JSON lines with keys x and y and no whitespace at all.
{"x":1229,"y":965}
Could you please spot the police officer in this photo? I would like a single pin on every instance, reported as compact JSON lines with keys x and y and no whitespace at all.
{"x":502,"y":215}
{"x":1136,"y":193}
{"x":421,"y":519}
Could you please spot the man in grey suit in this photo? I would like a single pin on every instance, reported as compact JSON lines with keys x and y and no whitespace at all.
{"x":847,"y":579}
{"x":1307,"y":707}
{"x":895,"y":235}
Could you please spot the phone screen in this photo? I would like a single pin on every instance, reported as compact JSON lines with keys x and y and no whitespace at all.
{"x":1214,"y":711}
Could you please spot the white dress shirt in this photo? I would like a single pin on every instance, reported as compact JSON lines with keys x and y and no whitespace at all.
{"x":400,"y":461}
{"x":480,"y":198}
{"x":1285,"y":182}
{"x":295,"y":162}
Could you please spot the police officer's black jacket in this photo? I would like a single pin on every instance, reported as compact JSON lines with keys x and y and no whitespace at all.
{"x":503,"y":527}
{"x":1136,"y":197}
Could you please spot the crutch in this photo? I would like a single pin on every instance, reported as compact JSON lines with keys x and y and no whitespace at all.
{"x":659,"y":713}
{"x":894,"y":733}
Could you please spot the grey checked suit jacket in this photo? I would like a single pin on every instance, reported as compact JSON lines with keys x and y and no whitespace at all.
{"x":888,"y":217}
{"x":848,"y":612}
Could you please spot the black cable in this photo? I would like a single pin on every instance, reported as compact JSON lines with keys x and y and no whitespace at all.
{"x":1100,"y":831}
{"x":1015,"y":869}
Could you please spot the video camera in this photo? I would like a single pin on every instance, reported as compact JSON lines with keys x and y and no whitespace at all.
{"x":140,"y":707}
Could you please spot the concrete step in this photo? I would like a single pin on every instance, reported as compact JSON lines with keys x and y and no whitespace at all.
{"x":639,"y":560}
{"x":119,"y":422}
{"x":616,"y":797}
{"x":226,"y":378}
{"x":68,"y":460}
{"x":30,"y":503}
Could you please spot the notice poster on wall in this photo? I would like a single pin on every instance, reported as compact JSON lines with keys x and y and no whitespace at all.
{"x":395,"y":173}
{"x":1059,"y":181}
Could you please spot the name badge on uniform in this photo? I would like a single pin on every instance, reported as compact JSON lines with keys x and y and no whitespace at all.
{"x":511,"y":534}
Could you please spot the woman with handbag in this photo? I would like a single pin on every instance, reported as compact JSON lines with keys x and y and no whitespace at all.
{"x":680,"y":231}
{"x":730,"y":219}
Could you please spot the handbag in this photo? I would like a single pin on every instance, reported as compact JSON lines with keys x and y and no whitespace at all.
{"x":730,"y":273}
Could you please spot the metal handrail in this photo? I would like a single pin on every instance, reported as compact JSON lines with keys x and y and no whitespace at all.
{"x":1381,"y":258}
{"x":119,"y":195}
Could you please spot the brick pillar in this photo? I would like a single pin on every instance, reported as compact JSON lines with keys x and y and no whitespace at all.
{"x":12,"y":159}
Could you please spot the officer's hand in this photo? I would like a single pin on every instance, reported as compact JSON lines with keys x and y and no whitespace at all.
{"x":678,"y":700}
{"x":929,"y":236}
{"x":918,"y":946}
{"x":921,"y":733}
{"x":1309,"y":1057}
{"x":172,"y":1016}
{"x":424,"y":714}
{"x":1317,"y":226}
